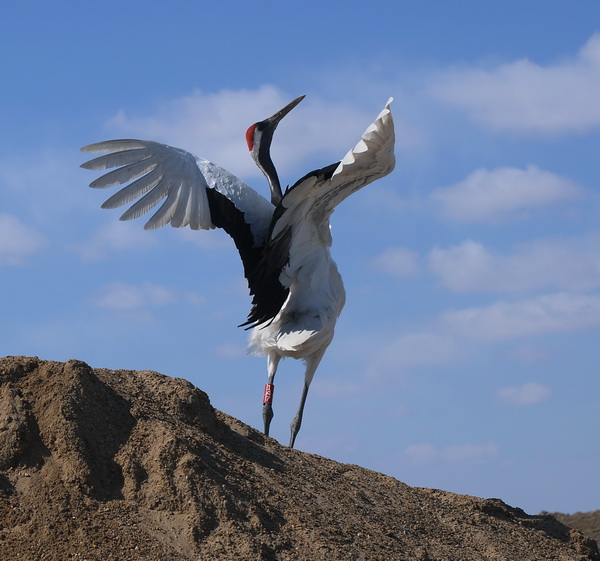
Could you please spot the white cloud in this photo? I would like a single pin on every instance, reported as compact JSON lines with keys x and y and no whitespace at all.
{"x":572,"y":264}
{"x":412,"y":350}
{"x":420,"y":453}
{"x":526,"y":97}
{"x":454,"y":454}
{"x":336,"y":388}
{"x":231,"y":351}
{"x":115,"y":236}
{"x":122,"y":297}
{"x":399,"y":262}
{"x":527,"y":394}
{"x":528,"y":353}
{"x":118,"y":236}
{"x":463,"y":267}
{"x":387,"y":197}
{"x":469,"y":453}
{"x":560,"y":312}
{"x":342,"y":446}
{"x":491,"y":195}
{"x":398,"y":411}
{"x":213,"y":126}
{"x":17,"y":240}
{"x":195,"y":298}
{"x":48,"y":183}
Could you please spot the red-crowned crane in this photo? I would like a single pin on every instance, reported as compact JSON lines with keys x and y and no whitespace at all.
{"x":284,"y":244}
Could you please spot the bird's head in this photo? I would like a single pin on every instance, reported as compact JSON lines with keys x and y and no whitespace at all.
{"x":259,"y":137}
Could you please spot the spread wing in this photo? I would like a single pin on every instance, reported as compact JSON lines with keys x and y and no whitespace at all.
{"x":320,"y":191}
{"x":371,"y":158}
{"x":194,"y":192}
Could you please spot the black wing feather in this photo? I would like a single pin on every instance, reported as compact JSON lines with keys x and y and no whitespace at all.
{"x":262,"y":264}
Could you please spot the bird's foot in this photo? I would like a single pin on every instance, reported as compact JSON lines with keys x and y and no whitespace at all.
{"x":295,"y":429}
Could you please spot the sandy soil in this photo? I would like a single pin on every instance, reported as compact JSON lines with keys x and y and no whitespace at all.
{"x":120,"y":465}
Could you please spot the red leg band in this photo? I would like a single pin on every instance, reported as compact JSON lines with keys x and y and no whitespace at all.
{"x":268,"y":395}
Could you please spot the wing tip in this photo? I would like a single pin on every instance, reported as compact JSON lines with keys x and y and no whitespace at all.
{"x":362,"y":145}
{"x":386,"y":110}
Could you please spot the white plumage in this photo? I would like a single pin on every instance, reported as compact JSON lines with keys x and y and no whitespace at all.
{"x":284,"y":244}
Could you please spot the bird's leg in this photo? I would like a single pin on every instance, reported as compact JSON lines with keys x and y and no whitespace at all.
{"x":297,"y":422}
{"x":267,"y":412}
{"x":311,"y":367}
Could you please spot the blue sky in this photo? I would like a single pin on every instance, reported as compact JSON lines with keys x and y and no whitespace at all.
{"x":466,"y":356}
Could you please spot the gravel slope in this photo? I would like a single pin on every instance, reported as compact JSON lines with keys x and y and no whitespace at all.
{"x":112,"y":465}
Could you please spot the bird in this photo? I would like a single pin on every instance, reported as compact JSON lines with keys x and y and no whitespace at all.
{"x":284,"y":243}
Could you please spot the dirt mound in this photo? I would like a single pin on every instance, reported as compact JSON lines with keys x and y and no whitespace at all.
{"x":588,"y":523}
{"x":113,"y":465}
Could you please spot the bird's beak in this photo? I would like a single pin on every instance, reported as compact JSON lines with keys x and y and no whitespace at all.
{"x":273,"y":120}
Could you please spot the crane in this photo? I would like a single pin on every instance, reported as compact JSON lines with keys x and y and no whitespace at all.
{"x":297,"y":291}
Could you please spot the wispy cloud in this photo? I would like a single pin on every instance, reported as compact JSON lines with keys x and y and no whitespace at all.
{"x":341,"y":446}
{"x":498,"y":193}
{"x":412,"y":350}
{"x":528,"y":353}
{"x":572,"y":264}
{"x":115,"y":236}
{"x":123,"y":297}
{"x":48,"y":184}
{"x":17,"y":240}
{"x":338,"y":388}
{"x":526,"y":97}
{"x":399,"y":262}
{"x":231,"y":351}
{"x":560,"y":312}
{"x":423,"y":453}
{"x":527,"y":394}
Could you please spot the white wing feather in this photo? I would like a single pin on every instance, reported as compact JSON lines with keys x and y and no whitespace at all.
{"x":159,"y":172}
{"x":371,"y":158}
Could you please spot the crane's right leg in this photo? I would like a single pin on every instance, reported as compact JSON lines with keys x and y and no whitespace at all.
{"x":267,"y":412}
{"x":311,"y":366}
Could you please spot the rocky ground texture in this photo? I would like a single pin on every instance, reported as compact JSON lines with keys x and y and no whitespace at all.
{"x":112,"y":465}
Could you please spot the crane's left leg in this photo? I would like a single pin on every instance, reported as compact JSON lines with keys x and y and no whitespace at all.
{"x":311,"y":367}
{"x":267,"y":412}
